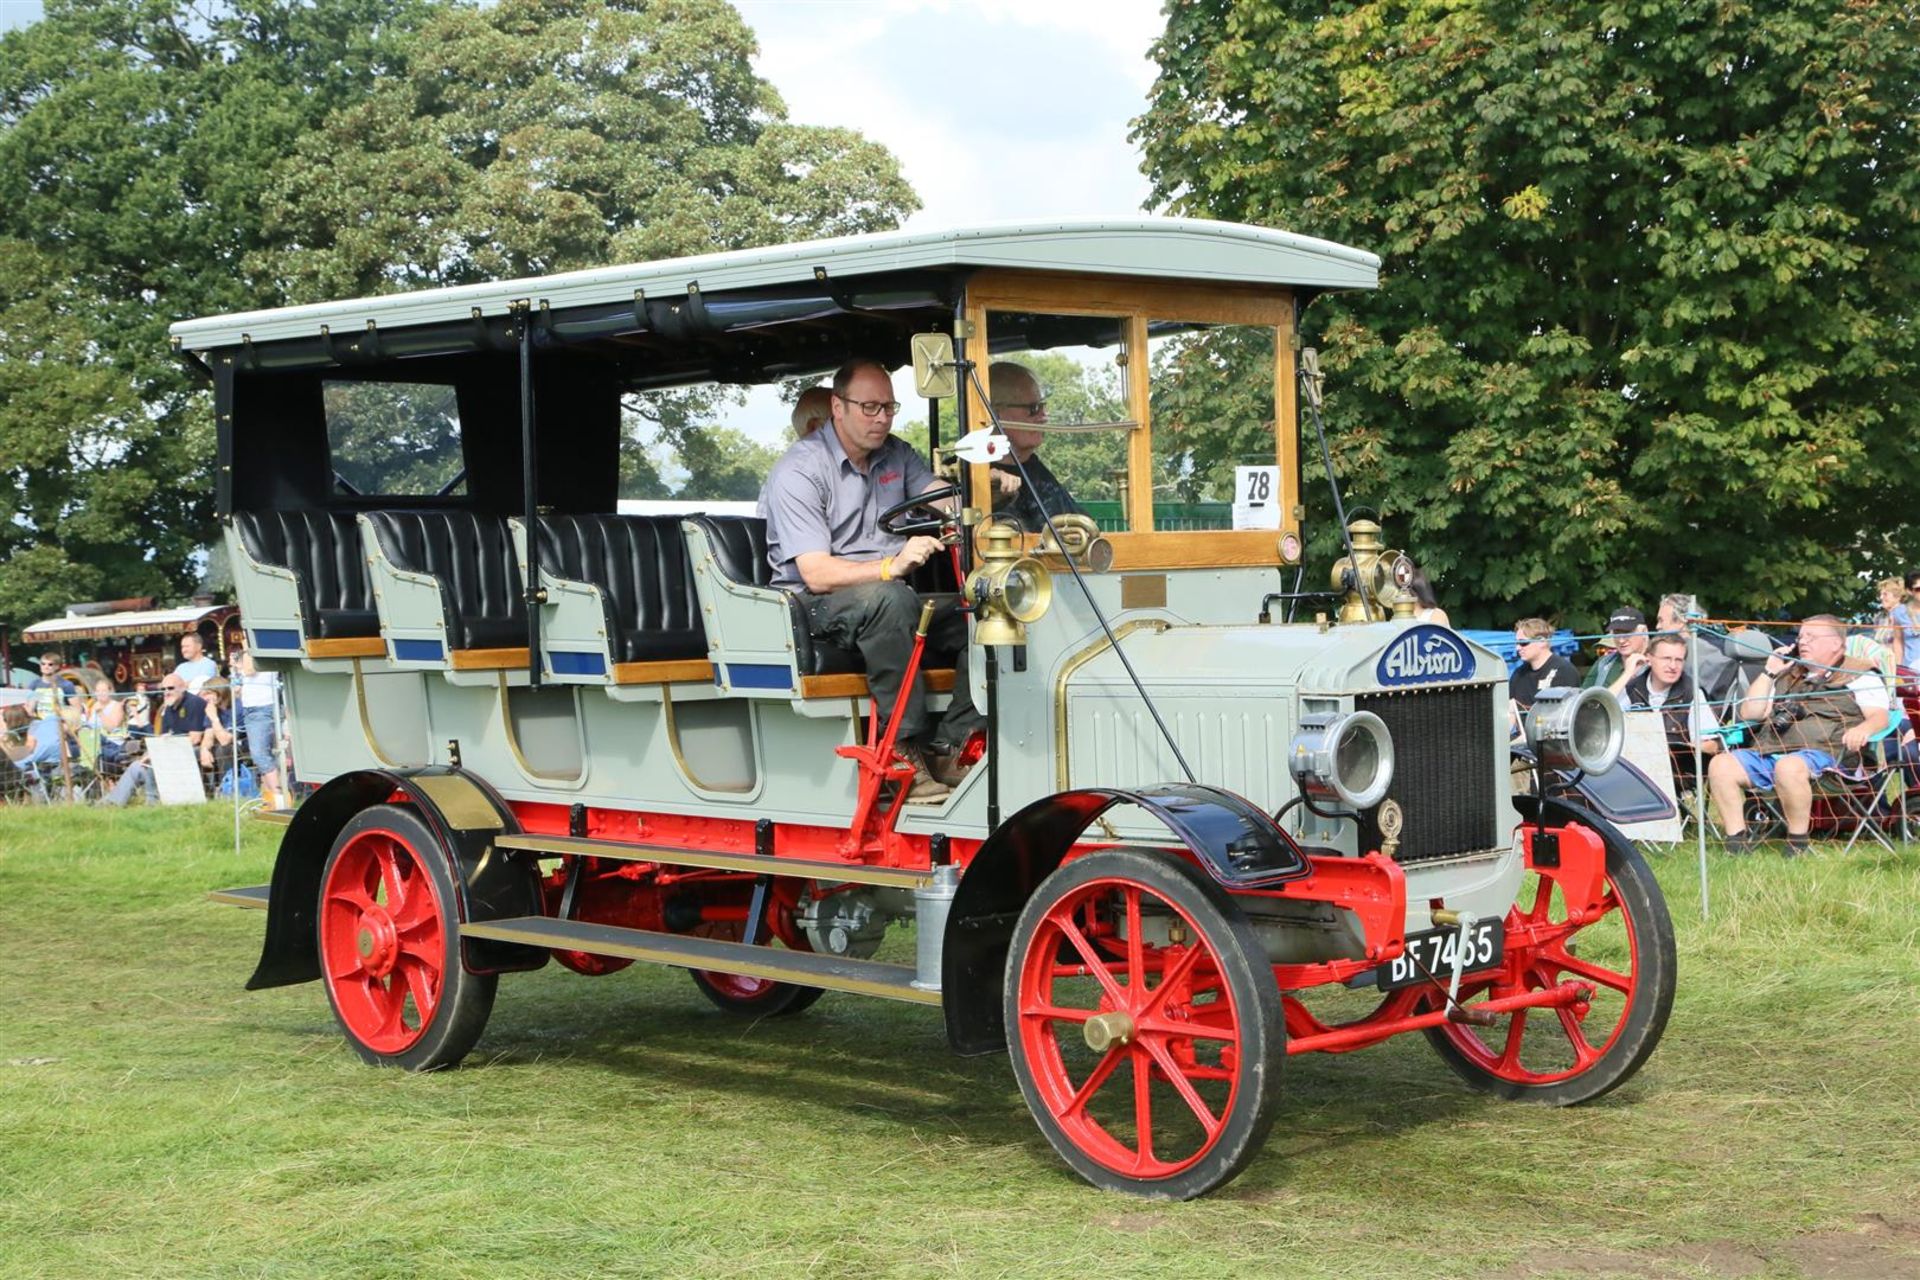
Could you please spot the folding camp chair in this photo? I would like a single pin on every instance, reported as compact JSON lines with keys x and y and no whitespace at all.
{"x":1871,"y":798}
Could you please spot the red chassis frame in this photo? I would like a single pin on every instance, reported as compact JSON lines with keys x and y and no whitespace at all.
{"x":1373,"y":887}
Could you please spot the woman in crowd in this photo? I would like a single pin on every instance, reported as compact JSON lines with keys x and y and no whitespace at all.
{"x":1899,"y":623}
{"x":1429,"y":610}
{"x":218,"y":745}
{"x":258,"y":691}
{"x":106,"y":714}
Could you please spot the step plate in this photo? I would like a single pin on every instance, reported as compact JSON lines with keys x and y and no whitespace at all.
{"x":248,"y":896}
{"x":684,"y":951}
{"x":752,"y":863}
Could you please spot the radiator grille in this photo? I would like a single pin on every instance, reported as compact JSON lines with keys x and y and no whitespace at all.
{"x":1445,"y":770}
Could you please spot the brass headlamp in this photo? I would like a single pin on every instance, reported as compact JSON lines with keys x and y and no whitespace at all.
{"x":1377,"y":581}
{"x":1009,"y":589}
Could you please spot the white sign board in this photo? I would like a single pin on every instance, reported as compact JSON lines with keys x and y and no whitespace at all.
{"x":176,"y":770}
{"x":1256,"y":497}
{"x":1646,"y":750}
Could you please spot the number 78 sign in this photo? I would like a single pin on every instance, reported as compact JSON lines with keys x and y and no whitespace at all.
{"x":1256,"y":497}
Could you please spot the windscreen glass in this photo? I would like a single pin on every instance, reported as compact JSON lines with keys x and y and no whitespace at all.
{"x":1213,"y":417}
{"x":1059,"y":386}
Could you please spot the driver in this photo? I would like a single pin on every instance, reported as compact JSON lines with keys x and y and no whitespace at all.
{"x":823,"y":502}
{"x":1017,"y":398}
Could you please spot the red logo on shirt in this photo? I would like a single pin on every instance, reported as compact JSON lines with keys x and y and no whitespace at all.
{"x":886,"y":477}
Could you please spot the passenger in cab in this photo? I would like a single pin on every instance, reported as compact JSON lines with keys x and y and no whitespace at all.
{"x":823,"y":502}
{"x":1017,"y":399}
{"x":813,"y":410}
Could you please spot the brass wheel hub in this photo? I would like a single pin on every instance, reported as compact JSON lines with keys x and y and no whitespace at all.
{"x":1105,"y":1030}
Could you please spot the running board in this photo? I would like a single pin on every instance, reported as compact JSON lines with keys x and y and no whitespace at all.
{"x":752,"y":863}
{"x":686,"y":951}
{"x":251,"y":896}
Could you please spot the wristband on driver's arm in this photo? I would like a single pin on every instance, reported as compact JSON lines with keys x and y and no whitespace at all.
{"x":886,"y":569}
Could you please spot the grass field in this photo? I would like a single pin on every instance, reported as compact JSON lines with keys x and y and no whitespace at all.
{"x":157,"y":1120}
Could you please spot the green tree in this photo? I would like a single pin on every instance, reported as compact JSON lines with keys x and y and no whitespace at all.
{"x":535,"y":136}
{"x":1646,"y":316}
{"x":135,"y":140}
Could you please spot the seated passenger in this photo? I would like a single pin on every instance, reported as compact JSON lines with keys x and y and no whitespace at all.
{"x":823,"y":502}
{"x":813,"y":410}
{"x":1814,"y":708}
{"x":1017,"y":398}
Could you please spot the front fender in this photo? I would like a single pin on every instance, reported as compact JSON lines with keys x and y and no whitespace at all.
{"x":464,"y":813}
{"x":1239,"y":845}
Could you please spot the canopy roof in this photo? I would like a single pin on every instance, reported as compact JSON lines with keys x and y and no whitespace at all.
{"x":1161,"y":248}
{"x":108,"y":626}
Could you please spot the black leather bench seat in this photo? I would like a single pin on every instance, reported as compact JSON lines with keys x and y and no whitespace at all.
{"x":322,"y":550}
{"x":472,"y":558}
{"x":641,"y":566}
{"x":740,"y":553}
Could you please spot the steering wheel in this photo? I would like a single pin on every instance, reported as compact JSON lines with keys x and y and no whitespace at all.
{"x":931,"y":520}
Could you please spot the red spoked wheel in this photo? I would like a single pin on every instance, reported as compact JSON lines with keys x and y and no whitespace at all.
{"x":1144,"y":1024}
{"x":747,"y":995}
{"x":1619,"y":950}
{"x":390,"y":947}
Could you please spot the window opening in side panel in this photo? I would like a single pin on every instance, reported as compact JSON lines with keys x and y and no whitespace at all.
{"x":698,"y":448}
{"x":1059,"y":386}
{"x":394,"y":439}
{"x":1215,"y":454}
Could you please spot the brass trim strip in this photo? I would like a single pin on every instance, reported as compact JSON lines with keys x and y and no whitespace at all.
{"x":274,"y":817}
{"x":513,"y":739}
{"x":753,"y":863}
{"x":1073,"y":663}
{"x":254,"y":896}
{"x":366,"y":721}
{"x":801,"y":967}
{"x":686,"y":770}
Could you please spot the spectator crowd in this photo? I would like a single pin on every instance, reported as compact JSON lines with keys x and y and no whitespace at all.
{"x":95,"y":743}
{"x":1773,"y":714}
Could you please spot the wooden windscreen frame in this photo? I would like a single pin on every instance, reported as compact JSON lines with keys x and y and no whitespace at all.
{"x":1136,"y":301}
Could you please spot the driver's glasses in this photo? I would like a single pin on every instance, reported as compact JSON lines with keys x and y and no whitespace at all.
{"x":873,"y":408}
{"x":1032,"y":408}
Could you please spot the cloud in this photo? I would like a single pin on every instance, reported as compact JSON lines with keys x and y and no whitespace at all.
{"x":998,"y":109}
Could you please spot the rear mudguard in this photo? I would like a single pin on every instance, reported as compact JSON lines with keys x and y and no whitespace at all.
{"x":463,"y":811}
{"x":1239,"y":845}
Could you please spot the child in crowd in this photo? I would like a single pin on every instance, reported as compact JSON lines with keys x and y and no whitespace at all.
{"x":258,"y":692}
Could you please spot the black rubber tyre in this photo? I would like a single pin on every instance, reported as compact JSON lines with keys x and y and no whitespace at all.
{"x":773,"y":1000}
{"x":1207,"y":1038}
{"x":389,"y":941}
{"x":1567,"y":1069}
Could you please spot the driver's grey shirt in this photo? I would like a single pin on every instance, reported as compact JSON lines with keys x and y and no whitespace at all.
{"x":815,"y":499}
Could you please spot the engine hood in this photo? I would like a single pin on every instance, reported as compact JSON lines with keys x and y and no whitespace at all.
{"x":1230,"y":696}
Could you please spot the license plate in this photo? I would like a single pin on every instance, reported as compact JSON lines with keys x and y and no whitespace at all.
{"x":1436,"y":950}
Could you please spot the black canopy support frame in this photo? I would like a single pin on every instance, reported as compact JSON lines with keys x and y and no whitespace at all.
{"x":530,"y":481}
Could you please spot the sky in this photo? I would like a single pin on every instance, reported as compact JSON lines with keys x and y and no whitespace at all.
{"x":998,"y":110}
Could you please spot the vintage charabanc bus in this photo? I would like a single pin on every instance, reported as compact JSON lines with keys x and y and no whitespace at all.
{"x":1218,"y":815}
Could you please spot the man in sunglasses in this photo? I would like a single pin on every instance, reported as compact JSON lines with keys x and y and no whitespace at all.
{"x":1540,"y":668}
{"x":52,"y":691}
{"x":823,"y":501}
{"x":1017,"y":400}
{"x":182,"y":714}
